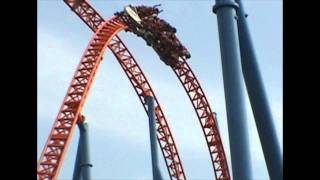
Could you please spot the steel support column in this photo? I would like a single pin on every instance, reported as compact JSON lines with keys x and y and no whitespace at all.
{"x":258,"y":98}
{"x":82,"y":164}
{"x":153,"y":138}
{"x":76,"y":170}
{"x":233,"y":87}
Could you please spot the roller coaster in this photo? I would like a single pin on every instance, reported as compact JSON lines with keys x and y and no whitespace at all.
{"x":69,"y":114}
{"x":106,"y":36}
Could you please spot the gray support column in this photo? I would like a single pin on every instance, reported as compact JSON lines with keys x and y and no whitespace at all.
{"x":76,"y":170}
{"x":82,"y":164}
{"x":85,"y":158}
{"x":258,"y":99}
{"x":153,"y":138}
{"x":233,"y":87}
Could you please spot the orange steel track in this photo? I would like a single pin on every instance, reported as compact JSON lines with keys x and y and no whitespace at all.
{"x":143,"y":88}
{"x":105,"y":34}
{"x":60,"y":136}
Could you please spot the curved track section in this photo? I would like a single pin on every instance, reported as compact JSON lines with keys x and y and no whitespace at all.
{"x":207,"y":119}
{"x":86,"y":12}
{"x":143,"y":88}
{"x":59,"y":138}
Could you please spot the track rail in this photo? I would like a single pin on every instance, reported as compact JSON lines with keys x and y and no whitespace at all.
{"x":207,"y":120}
{"x":60,"y":136}
{"x":86,"y":12}
{"x":189,"y":81}
{"x":143,"y":88}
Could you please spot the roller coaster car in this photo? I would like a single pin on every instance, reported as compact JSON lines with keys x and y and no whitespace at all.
{"x":133,"y":14}
{"x":186,"y":54}
{"x":138,"y":27}
{"x":170,"y":59}
{"x":135,"y":24}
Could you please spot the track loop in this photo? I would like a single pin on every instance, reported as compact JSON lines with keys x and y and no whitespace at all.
{"x":60,"y":136}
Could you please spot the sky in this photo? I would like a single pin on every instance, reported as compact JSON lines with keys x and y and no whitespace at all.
{"x":118,"y":124}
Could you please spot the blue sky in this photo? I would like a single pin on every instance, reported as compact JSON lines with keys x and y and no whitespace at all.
{"x":119,"y":144}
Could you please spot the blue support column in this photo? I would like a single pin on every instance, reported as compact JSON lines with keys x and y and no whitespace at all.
{"x":85,"y":158}
{"x":258,"y":99}
{"x":233,"y":87}
{"x":153,"y":138}
{"x":82,"y":165}
{"x":76,"y":170}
